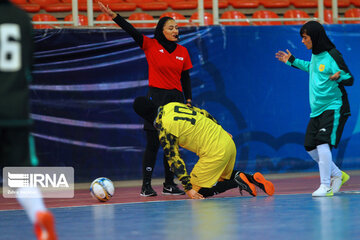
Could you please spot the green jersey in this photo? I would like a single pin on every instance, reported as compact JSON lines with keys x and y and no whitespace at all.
{"x":325,"y":94}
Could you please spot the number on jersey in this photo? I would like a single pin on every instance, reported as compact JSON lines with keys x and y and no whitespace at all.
{"x":10,"y":47}
{"x":185,"y":112}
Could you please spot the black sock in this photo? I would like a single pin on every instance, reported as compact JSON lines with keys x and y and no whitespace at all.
{"x":220,"y":187}
{"x":234,"y":173}
{"x":248,"y":176}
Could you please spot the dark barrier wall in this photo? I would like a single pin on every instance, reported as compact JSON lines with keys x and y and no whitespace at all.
{"x":85,"y":82}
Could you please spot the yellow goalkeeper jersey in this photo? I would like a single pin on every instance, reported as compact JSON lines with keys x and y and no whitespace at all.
{"x":193,"y":129}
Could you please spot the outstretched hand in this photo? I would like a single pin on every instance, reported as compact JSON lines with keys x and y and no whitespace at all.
{"x":283,"y":56}
{"x":335,"y":76}
{"x":194,"y":194}
{"x":106,"y":10}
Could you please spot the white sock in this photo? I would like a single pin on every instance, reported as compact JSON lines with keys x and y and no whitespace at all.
{"x":325,"y":159}
{"x":335,"y":171}
{"x":31,"y":200}
{"x":314,"y":155}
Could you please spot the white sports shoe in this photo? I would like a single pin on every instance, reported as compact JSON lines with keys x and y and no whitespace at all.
{"x":323,"y":191}
{"x":337,"y":182}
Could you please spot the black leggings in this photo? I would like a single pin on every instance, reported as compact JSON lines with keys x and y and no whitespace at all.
{"x":220,"y":187}
{"x":160,"y":97}
{"x":152,"y":148}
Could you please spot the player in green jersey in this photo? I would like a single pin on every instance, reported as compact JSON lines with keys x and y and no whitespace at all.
{"x":328,"y":74}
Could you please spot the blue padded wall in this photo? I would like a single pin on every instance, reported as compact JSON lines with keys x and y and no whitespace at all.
{"x":85,"y":82}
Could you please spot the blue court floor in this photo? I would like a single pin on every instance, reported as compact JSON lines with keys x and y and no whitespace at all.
{"x":280,"y":217}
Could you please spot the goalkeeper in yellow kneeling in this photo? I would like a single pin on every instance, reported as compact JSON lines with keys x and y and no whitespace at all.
{"x":196,"y":130}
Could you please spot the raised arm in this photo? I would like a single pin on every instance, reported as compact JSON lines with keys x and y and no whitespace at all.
{"x":135,"y":34}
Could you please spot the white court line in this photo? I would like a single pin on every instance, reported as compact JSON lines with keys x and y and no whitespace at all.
{"x":263,"y":196}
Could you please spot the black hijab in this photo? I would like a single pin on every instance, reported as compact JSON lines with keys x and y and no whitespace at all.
{"x":319,"y":39}
{"x":159,"y":35}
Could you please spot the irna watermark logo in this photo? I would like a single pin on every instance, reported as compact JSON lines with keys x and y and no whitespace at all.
{"x":54,"y":182}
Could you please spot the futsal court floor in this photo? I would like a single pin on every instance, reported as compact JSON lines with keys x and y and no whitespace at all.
{"x":290,"y":214}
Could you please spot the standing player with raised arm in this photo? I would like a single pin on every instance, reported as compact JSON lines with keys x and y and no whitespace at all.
{"x":169,"y":81}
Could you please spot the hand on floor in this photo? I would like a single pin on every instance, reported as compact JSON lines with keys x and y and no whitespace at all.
{"x":194,"y":194}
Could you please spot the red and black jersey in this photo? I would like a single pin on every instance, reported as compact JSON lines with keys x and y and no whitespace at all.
{"x":165,"y":68}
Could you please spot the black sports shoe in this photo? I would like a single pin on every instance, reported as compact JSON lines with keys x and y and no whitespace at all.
{"x":172,"y":189}
{"x":259,"y":180}
{"x":147,"y":191}
{"x":245,"y":184}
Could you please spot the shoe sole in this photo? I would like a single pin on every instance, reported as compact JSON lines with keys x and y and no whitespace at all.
{"x":250,"y":185}
{"x":268,"y":186}
{"x":144,"y":195}
{"x":45,"y":225}
{"x":326,"y":195}
{"x":176,"y":194}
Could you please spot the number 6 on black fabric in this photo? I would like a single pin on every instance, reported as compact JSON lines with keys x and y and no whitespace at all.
{"x":10,"y":48}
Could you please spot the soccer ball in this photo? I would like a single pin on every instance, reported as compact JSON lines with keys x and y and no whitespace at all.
{"x":102,"y":189}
